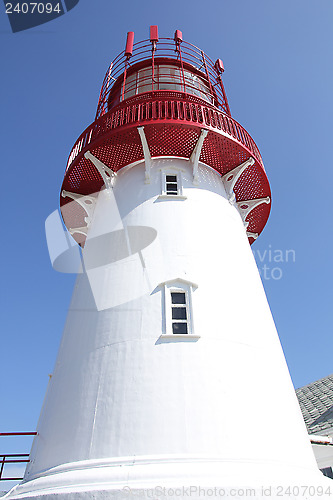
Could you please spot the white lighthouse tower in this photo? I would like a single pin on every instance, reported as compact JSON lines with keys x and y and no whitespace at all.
{"x":170,"y":379}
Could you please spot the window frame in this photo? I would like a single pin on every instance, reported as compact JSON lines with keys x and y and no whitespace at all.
{"x":178,"y":182}
{"x":182,"y":286}
{"x":177,"y":195}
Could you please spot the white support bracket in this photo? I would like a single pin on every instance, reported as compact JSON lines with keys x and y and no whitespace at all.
{"x":87,"y":203}
{"x":194,"y":159}
{"x":245,"y":207}
{"x":81,"y":230}
{"x":252,"y":235}
{"x":229,"y":179}
{"x":106,"y":172}
{"x":146,"y":154}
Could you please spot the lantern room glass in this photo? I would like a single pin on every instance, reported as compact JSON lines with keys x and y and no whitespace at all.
{"x":166,"y":77}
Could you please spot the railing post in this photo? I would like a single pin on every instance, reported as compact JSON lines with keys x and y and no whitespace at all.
{"x":207,"y":74}
{"x":182,"y":68}
{"x":2,"y":465}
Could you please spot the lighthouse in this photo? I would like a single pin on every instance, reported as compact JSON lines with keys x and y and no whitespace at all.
{"x":170,"y":379}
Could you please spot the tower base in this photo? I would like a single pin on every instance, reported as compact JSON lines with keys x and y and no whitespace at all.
{"x":169,"y":477}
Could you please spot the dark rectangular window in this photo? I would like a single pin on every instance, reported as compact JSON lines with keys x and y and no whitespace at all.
{"x":178,"y":297}
{"x":171,"y":184}
{"x":171,"y":178}
{"x":179,"y":313}
{"x":179,"y":328}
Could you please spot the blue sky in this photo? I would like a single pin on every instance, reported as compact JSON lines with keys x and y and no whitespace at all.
{"x":278,"y":78}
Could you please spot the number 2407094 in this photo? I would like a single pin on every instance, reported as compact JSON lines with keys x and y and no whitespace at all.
{"x":33,"y":8}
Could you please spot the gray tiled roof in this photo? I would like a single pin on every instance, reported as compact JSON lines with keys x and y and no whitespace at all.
{"x":316,"y":402}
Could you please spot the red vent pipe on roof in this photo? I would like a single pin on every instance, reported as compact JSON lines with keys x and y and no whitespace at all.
{"x":219,"y":66}
{"x":129,"y":44}
{"x":154,"y":33}
{"x":178,"y":38}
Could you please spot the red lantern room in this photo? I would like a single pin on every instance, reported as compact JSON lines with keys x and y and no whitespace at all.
{"x":164,"y":97}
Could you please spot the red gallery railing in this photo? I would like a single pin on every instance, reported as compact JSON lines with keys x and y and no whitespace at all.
{"x":155,"y":106}
{"x":13,"y":458}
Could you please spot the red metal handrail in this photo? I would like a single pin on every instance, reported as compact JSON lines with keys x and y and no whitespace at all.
{"x":164,"y":105}
{"x":18,"y":434}
{"x":14,"y":458}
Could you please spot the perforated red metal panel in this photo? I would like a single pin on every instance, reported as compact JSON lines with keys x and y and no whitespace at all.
{"x":172,"y":128}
